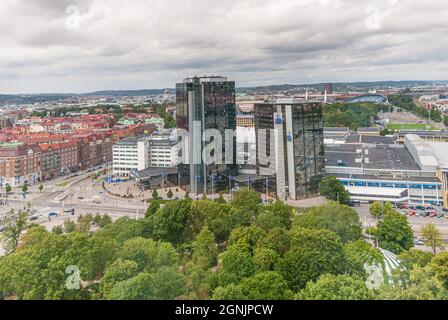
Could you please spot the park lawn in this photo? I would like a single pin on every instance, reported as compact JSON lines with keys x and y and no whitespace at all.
{"x":410,"y":126}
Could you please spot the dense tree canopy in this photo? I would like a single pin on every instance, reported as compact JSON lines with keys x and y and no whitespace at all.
{"x":216,"y":250}
{"x":340,"y":219}
{"x":312,"y":253}
{"x":351,"y":115}
{"x":336,"y":287}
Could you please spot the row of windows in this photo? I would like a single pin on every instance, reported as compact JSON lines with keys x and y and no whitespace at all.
{"x":391,"y":185}
{"x":377,"y":196}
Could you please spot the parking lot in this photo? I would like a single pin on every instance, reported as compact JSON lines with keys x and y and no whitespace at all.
{"x":417,"y":218}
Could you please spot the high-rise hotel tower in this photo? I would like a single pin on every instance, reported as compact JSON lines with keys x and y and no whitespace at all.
{"x":290,"y":146}
{"x":206,"y":103}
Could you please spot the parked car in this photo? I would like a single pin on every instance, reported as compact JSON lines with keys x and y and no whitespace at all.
{"x":419,"y":242}
{"x":412,"y":213}
{"x":33,"y":218}
{"x":432,"y":214}
{"x":422,"y":213}
{"x":52,"y":214}
{"x":354,"y":203}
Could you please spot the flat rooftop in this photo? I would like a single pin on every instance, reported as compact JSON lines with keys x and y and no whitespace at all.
{"x":359,"y":139}
{"x":380,"y":157}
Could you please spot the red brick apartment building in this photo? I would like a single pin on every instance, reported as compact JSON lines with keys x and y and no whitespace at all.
{"x":19,"y":163}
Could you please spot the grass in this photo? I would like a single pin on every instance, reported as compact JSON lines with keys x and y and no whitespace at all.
{"x":410,"y":126}
{"x":62,"y":184}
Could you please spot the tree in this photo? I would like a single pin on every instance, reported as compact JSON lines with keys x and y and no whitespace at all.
{"x":163,"y":285}
{"x":439,"y":264}
{"x":221,"y":199}
{"x":342,"y":220}
{"x":187,"y":196}
{"x":332,"y":189}
{"x":247,"y":204}
{"x":25,"y":188}
{"x":205,"y":251}
{"x":102,"y":221}
{"x":380,"y":209}
{"x":217,"y":217}
{"x":57,"y":230}
{"x":394,"y":233}
{"x":14,"y":229}
{"x":275,"y":215}
{"x":69,"y":226}
{"x":199,"y":281}
{"x":170,"y":222}
{"x":265,"y":259}
{"x":8,"y":188}
{"x":155,"y":194}
{"x":336,"y":287}
{"x":237,"y":264}
{"x":268,"y":285}
{"x":41,"y":187}
{"x":149,"y":255}
{"x":140,"y":287}
{"x":169,"y":194}
{"x":432,"y":237}
{"x":126,"y":228}
{"x":421,"y":285}
{"x":414,"y":258}
{"x":118,"y":271}
{"x":312,"y":253}
{"x":84,"y":222}
{"x":360,"y":254}
{"x":247,"y":237}
{"x":169,"y":283}
{"x":154,"y":205}
{"x":230,"y":292}
{"x":277,"y":239}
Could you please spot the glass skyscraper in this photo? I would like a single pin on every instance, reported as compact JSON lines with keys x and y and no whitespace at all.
{"x":290,"y":146}
{"x":206,"y":103}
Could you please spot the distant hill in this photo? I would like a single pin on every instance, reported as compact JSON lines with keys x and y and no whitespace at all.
{"x":341,"y":86}
{"x":127,"y":93}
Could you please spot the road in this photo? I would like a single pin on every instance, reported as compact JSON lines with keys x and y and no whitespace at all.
{"x":78,"y":192}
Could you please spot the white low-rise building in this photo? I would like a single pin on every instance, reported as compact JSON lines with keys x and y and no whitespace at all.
{"x":159,"y":149}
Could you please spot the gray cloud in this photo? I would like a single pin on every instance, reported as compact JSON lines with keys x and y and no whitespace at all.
{"x":129,"y":44}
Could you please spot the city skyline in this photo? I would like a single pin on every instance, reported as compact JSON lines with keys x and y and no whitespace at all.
{"x":84,"y":46}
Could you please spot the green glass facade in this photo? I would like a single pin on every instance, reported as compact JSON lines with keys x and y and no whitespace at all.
{"x":206,"y":103}
{"x":298,"y":146}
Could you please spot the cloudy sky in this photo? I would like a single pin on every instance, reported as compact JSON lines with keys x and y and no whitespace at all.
{"x":82,"y":45}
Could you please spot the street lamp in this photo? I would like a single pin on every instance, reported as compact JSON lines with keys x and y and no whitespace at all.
{"x":230,"y":186}
{"x":178,"y":181}
{"x":213,"y":178}
{"x":267,"y":190}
